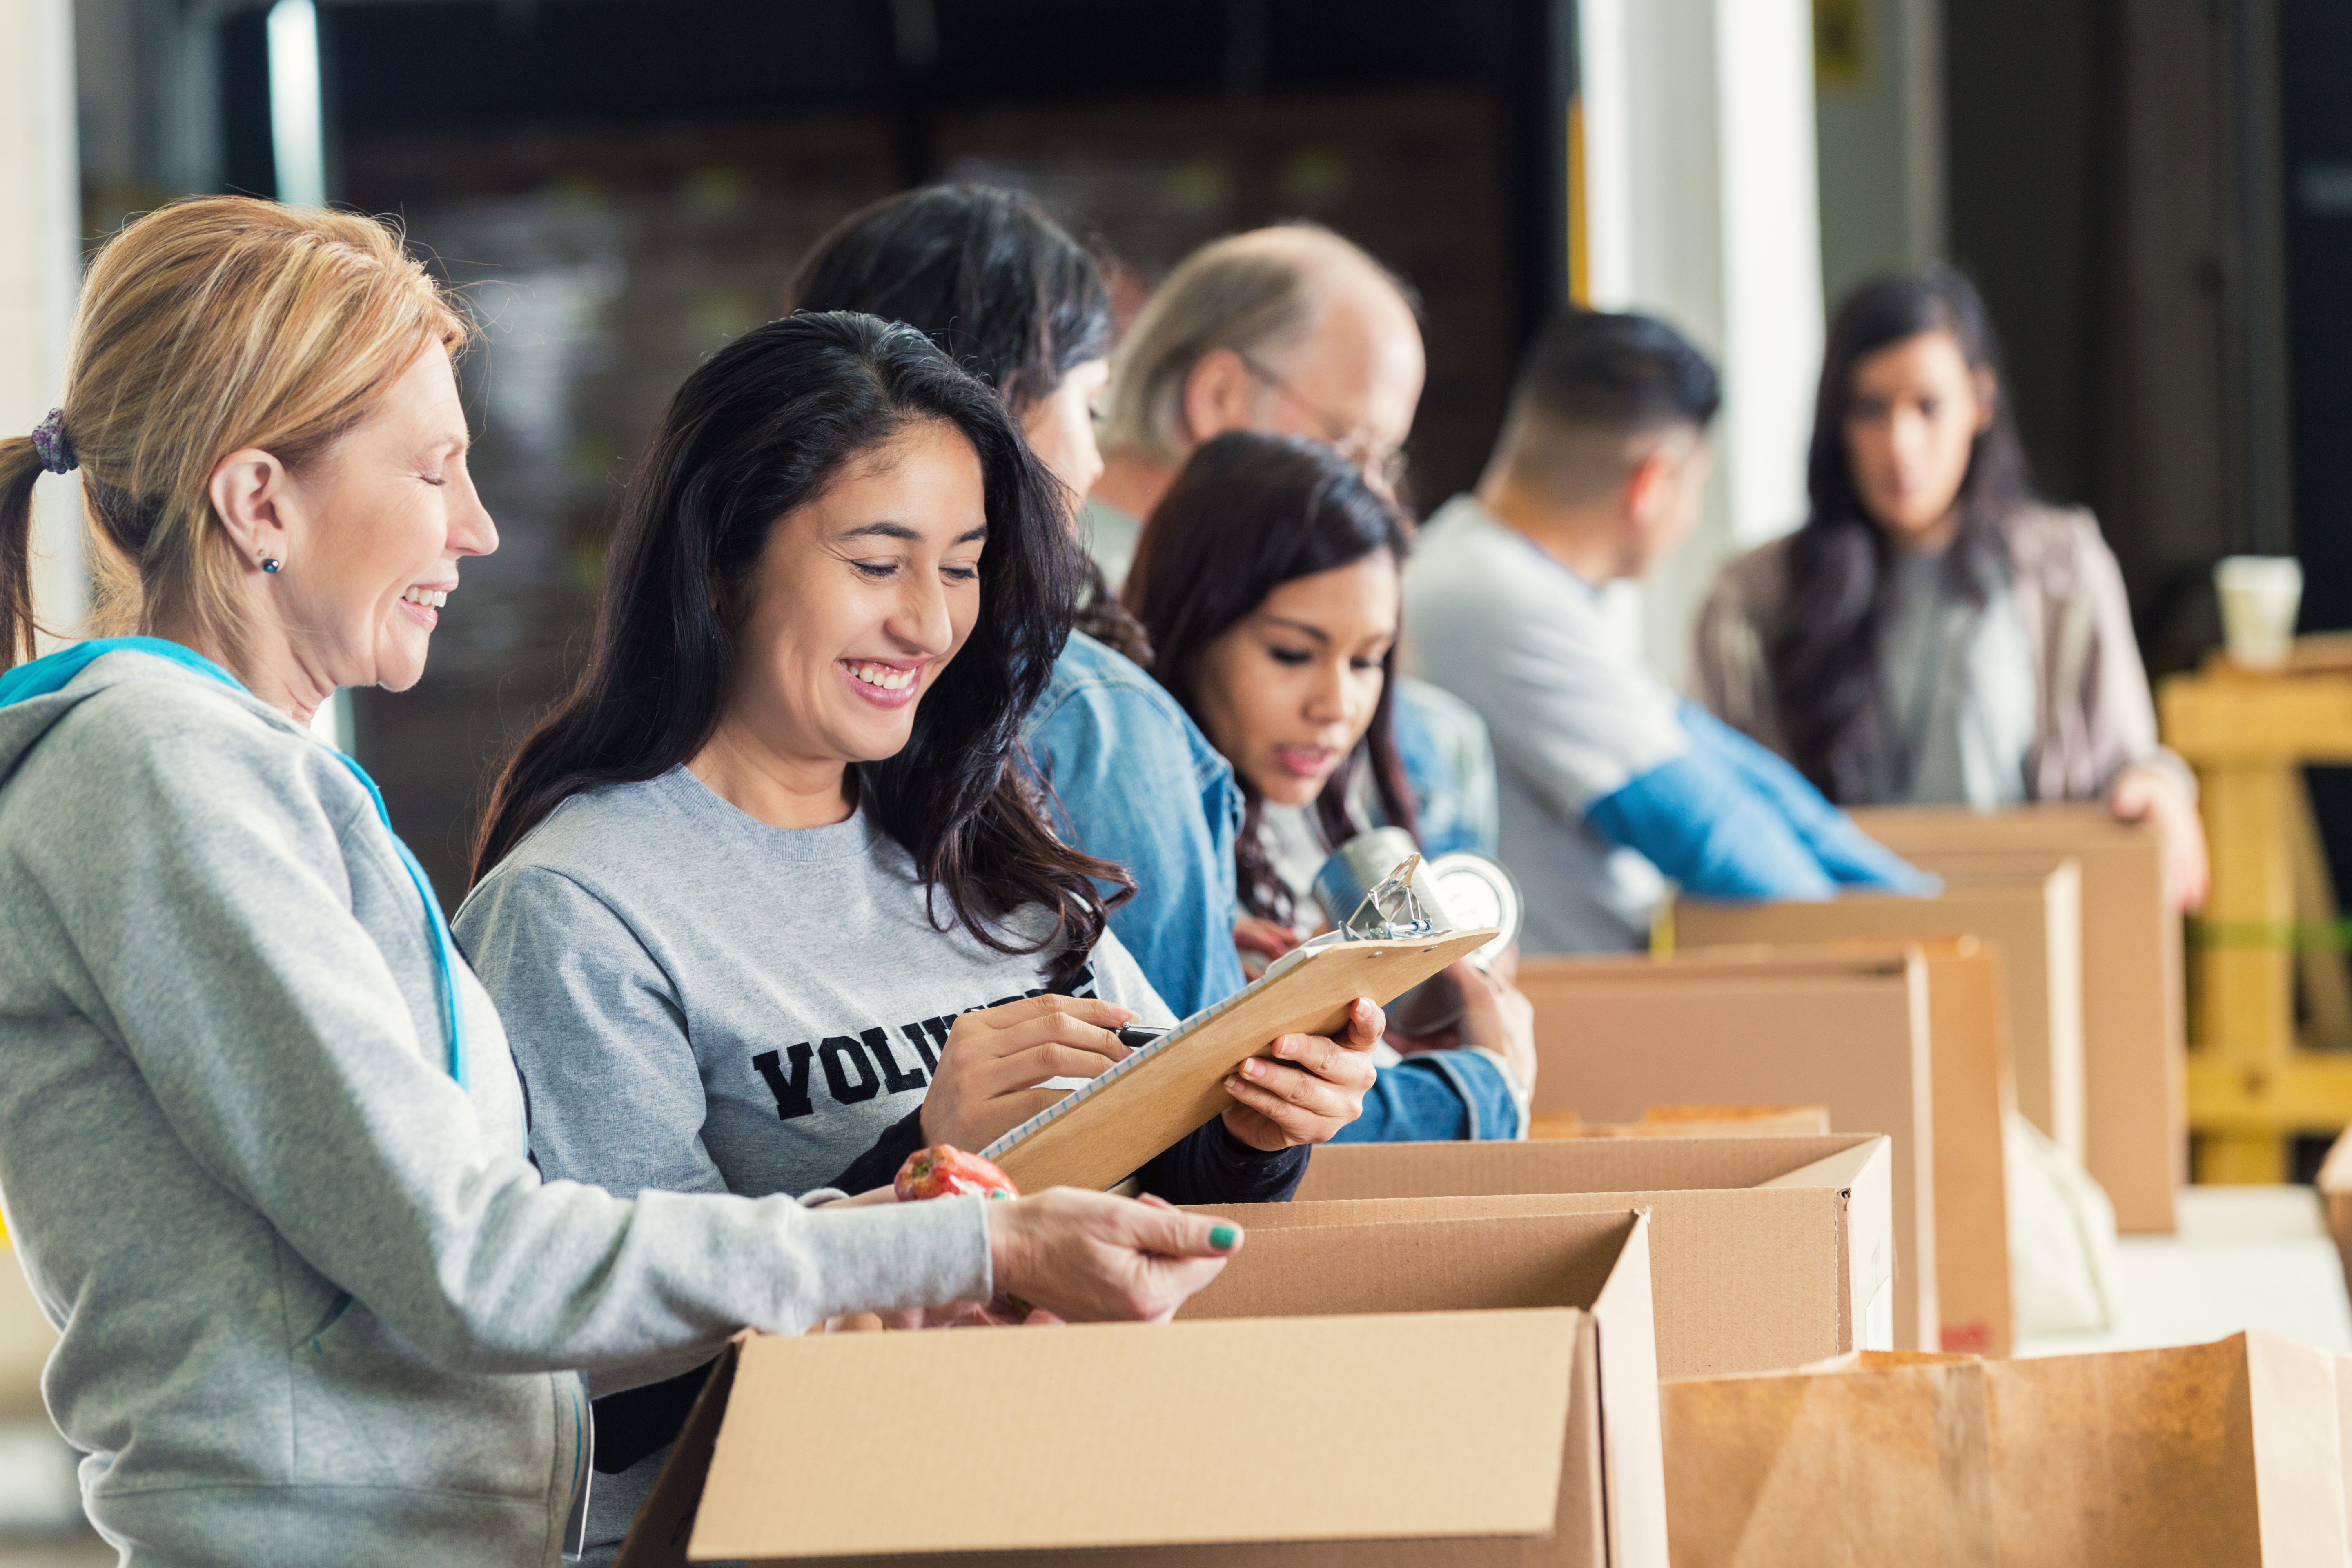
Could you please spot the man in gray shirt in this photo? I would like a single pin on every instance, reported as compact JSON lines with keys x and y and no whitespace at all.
{"x":1611,"y":783}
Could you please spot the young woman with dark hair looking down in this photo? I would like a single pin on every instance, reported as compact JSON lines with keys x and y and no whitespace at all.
{"x":1268,"y":581}
{"x":763,"y":901}
{"x":1934,"y":635}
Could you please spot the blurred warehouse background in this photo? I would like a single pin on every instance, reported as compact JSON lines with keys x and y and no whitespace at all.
{"x":2148,"y":190}
{"x":2155,"y":196}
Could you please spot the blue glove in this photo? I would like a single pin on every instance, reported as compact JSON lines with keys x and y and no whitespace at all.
{"x":1844,"y":850}
{"x":1700,"y":823}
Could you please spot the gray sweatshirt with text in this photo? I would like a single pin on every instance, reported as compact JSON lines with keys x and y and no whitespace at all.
{"x":316,"y":1304}
{"x":703,"y":1002}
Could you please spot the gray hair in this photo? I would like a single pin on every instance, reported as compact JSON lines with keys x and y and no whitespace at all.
{"x":1246,"y":293}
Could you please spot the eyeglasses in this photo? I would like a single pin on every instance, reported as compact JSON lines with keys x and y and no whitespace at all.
{"x":1382,"y":466}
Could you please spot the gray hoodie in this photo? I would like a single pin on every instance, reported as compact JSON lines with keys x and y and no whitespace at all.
{"x":316,"y":1304}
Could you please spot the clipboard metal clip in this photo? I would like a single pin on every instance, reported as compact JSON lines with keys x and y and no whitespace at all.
{"x":1392,"y":911}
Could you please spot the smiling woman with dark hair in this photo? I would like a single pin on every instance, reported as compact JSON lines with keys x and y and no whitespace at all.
{"x":764,"y":901}
{"x":999,"y":286}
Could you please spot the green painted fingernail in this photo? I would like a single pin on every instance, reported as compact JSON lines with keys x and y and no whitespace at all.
{"x":1223,"y":1237}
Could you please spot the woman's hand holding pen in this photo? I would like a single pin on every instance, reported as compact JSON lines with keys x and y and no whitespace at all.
{"x":994,"y":1059}
{"x":1314,"y":1087}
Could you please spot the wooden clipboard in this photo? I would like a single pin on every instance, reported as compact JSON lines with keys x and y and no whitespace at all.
{"x":1103,"y":1133}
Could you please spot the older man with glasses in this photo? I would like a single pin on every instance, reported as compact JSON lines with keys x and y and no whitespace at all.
{"x":1295,"y":330}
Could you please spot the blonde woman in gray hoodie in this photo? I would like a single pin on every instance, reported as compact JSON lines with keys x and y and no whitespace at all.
{"x":263,"y":1148}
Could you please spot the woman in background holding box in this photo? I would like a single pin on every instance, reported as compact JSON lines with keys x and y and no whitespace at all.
{"x":1268,"y":580}
{"x":1934,"y":635}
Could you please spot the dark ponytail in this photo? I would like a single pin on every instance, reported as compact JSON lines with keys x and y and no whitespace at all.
{"x":1822,"y":650}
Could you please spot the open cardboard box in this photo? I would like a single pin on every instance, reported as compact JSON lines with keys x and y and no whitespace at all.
{"x":1490,"y":1400}
{"x":1615,"y":1036}
{"x":2135,"y":1133}
{"x":2036,"y":922}
{"x":1764,"y":1252}
{"x":2215,"y":1455}
{"x":1972,"y":1090}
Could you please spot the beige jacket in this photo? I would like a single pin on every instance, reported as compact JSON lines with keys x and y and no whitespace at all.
{"x":2095,"y":716}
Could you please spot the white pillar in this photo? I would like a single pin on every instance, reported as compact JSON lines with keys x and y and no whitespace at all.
{"x":1702,"y":207}
{"x":40,"y":272}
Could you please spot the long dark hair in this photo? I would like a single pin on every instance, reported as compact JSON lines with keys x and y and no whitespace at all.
{"x":997,"y":284}
{"x":1821,"y":652}
{"x":765,"y":427}
{"x":1248,"y":514}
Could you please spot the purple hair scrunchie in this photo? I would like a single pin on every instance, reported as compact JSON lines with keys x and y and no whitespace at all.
{"x":50,"y":443}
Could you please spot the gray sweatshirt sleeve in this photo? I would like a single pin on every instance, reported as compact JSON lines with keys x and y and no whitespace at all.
{"x":597,"y":1033}
{"x":206,"y":916}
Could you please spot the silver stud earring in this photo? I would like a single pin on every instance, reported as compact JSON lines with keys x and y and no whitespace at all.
{"x":271,"y":564}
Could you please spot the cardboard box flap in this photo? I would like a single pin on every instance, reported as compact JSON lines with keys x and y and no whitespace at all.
{"x":1865,"y":1175}
{"x":1633,"y":1478}
{"x":2336,"y":1171}
{"x":801,"y":1470}
{"x":657,"y":1536}
{"x":1327,"y":1260}
{"x":2298,"y":1450}
{"x":1801,"y":1293}
{"x":1840,"y":1169}
{"x":1594,"y":1165}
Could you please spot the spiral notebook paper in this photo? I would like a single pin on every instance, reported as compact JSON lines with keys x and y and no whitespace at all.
{"x":1101,"y":1135}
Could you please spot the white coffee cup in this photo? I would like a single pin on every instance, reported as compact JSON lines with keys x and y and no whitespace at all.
{"x":2260,"y":595}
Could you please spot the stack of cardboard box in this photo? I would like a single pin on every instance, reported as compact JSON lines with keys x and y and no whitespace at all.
{"x":1451,"y":1353}
{"x":2134,"y":1001}
{"x":1909,"y":1037}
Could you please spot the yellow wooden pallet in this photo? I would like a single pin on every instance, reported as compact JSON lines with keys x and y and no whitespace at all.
{"x":2252,"y":1084}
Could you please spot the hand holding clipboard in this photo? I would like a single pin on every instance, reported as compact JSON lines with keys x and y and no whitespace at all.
{"x":1102,"y":1133}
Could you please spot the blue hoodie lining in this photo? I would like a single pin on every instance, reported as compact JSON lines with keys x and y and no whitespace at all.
{"x":52,"y":672}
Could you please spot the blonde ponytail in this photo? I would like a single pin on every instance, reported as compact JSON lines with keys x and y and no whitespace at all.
{"x":20,"y":465}
{"x":206,"y":327}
